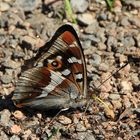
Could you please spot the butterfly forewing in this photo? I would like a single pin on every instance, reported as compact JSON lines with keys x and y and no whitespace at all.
{"x":59,"y":72}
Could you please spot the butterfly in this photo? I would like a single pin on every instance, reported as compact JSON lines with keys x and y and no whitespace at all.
{"x":58,"y":77}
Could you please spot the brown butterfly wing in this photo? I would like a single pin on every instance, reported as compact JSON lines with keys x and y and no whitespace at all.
{"x":66,"y":48}
{"x":59,"y":75}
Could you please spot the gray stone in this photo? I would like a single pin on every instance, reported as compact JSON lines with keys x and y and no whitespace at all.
{"x":111,"y":26}
{"x":95,"y":29}
{"x":80,"y":135}
{"x":124,"y":21}
{"x":26,"y":134}
{"x":116,"y":104}
{"x":11,"y":64}
{"x":135,"y":21}
{"x":126,"y":102}
{"x":27,"y":5}
{"x":135,"y":3}
{"x":5,"y":117}
{"x":14,"y":137}
{"x":114,"y":96}
{"x":18,"y":54}
{"x":80,"y":127}
{"x":135,"y":79}
{"x":128,"y":41}
{"x":104,"y":67}
{"x":30,"y":40}
{"x":96,"y":60}
{"x":92,"y":38}
{"x":92,"y":28}
{"x":101,"y":46}
{"x":2,"y":39}
{"x":84,"y":136}
{"x":3,"y":136}
{"x":43,"y":25}
{"x":89,"y":136}
{"x":13,"y":43}
{"x":7,"y":53}
{"x":6,"y":78}
{"x":64,"y":120}
{"x":111,"y":42}
{"x":3,"y":20}
{"x":126,"y":86}
{"x":121,"y":50}
{"x":86,"y":44}
{"x":102,"y":16}
{"x":4,"y":6}
{"x":37,"y":19}
{"x":85,"y":18}
{"x":79,"y":5}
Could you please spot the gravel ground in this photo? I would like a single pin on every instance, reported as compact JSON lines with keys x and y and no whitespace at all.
{"x":109,"y":39}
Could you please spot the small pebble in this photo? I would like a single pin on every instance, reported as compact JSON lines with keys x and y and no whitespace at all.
{"x":135,"y":21}
{"x":14,"y":137}
{"x":27,"y":5}
{"x":114,"y":96}
{"x":3,"y":135}
{"x":116,"y":104}
{"x":89,"y":136}
{"x":15,"y":129}
{"x":92,"y":28}
{"x":96,"y":60}
{"x":2,"y":39}
{"x":102,"y":16}
{"x":103,"y":67}
{"x":79,"y":5}
{"x":29,"y":40}
{"x":18,"y":54}
{"x":128,"y":41}
{"x":111,"y":42}
{"x":101,"y":46}
{"x":135,"y":3}
{"x":11,"y":64}
{"x":5,"y":117}
{"x":85,"y":19}
{"x":126,"y":86}
{"x":26,"y":134}
{"x":4,"y":6}
{"x":19,"y":115}
{"x":6,"y":78}
{"x":80,"y":127}
{"x":126,"y":102}
{"x":125,"y":22}
{"x":64,"y":120}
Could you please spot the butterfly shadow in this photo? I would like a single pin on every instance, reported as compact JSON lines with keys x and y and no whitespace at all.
{"x":7,"y":104}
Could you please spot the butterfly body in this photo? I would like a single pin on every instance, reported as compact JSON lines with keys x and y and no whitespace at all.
{"x":57,"y":78}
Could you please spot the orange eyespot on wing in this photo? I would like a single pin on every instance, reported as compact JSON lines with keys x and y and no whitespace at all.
{"x":56,"y":64}
{"x":68,"y":37}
